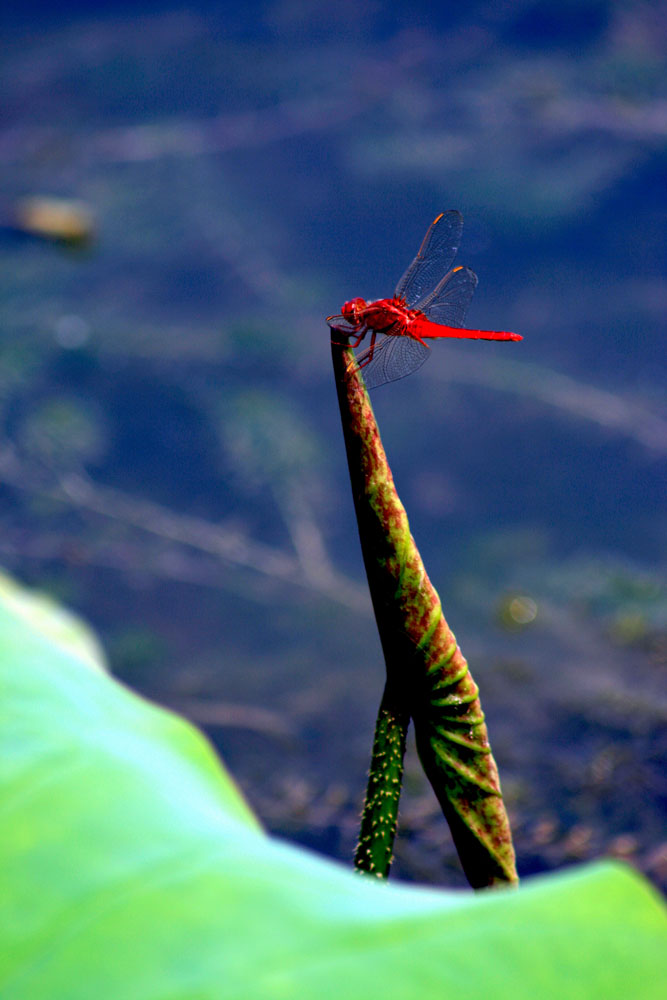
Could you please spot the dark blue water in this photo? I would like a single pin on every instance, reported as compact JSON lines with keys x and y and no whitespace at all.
{"x":249,"y":169}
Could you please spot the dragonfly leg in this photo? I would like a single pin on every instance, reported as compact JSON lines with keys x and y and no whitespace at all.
{"x":371,"y":350}
{"x":346,"y":343}
{"x":367,"y":356}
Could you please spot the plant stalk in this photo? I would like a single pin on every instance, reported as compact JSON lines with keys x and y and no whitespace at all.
{"x":427,"y":676}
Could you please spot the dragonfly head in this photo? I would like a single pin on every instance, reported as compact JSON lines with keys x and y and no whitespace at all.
{"x":352,"y":310}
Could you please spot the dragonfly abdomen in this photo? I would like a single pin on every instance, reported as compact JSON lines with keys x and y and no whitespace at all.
{"x":426,"y":328}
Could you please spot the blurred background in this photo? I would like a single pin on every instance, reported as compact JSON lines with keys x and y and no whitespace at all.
{"x":187,"y":191}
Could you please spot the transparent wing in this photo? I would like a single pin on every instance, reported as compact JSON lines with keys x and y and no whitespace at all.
{"x":449,"y":301}
{"x":392,"y":358}
{"x":434,"y":259}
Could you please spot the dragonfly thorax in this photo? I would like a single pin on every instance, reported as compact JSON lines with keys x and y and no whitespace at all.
{"x":382,"y":315}
{"x":387,"y":316}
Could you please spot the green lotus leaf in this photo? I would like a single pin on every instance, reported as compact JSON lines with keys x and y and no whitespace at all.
{"x":132,"y":868}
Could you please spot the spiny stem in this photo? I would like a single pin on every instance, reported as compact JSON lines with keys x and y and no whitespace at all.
{"x":380,"y":816}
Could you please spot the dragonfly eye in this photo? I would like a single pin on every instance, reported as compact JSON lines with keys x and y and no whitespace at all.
{"x":351,"y":309}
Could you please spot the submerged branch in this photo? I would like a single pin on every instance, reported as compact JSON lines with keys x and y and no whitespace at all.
{"x":229,"y":545}
{"x":580,"y":400}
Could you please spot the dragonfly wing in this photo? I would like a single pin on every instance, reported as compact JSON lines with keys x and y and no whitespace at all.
{"x":434,"y":259}
{"x":390,"y":359}
{"x":448,"y":302}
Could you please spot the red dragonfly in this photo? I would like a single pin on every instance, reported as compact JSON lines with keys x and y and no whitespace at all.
{"x":430,"y":301}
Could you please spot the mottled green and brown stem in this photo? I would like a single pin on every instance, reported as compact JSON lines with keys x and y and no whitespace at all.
{"x":427,"y":676}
